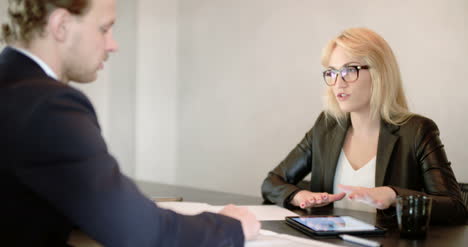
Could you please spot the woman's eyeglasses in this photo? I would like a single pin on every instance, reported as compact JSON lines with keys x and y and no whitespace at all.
{"x":349,"y":73}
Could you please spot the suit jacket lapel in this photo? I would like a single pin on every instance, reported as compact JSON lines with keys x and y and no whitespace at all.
{"x":387,"y":141}
{"x":334,"y":145}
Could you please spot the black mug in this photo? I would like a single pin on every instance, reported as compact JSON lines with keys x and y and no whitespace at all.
{"x":414,"y":215}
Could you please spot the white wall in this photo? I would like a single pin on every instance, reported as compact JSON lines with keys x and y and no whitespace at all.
{"x":156,"y":91}
{"x":250,"y":81}
{"x":247,"y":89}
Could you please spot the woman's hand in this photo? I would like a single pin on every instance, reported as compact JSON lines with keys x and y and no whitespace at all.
{"x":307,"y":199}
{"x":379,"y":197}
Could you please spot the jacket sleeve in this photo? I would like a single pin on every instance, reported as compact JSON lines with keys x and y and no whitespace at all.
{"x":439,"y":180}
{"x":66,"y":162}
{"x":280,"y":185}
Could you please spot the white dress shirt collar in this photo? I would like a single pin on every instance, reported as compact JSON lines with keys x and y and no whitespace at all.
{"x":39,"y":62}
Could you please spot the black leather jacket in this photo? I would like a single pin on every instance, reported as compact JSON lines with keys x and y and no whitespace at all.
{"x":410,"y":159}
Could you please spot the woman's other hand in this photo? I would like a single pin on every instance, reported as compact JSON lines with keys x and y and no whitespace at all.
{"x":379,"y":197}
{"x":307,"y":199}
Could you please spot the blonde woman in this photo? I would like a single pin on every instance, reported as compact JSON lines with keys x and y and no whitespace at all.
{"x":366,"y":147}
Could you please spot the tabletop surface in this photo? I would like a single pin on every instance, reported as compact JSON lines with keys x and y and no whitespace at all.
{"x":438,"y":235}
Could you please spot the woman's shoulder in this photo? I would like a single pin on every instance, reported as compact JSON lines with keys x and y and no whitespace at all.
{"x":324,"y":120}
{"x":326,"y":123}
{"x":416,"y":120}
{"x":418,"y":125}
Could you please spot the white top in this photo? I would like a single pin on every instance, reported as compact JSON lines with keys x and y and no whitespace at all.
{"x":39,"y":62}
{"x":346,"y":175}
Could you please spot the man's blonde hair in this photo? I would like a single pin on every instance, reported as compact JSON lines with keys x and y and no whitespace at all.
{"x":27,"y":18}
{"x":388,"y":99}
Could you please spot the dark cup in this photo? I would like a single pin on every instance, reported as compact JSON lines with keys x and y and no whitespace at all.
{"x":413,"y":214}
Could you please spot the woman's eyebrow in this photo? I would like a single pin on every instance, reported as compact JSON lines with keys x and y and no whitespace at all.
{"x":346,"y":64}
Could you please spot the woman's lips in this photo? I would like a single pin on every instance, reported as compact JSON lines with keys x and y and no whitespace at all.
{"x":342,"y":96}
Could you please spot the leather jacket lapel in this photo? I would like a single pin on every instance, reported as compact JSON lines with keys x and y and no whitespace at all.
{"x":387,"y":140}
{"x":334,"y":145}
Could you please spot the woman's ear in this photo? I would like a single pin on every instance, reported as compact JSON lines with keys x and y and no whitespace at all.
{"x":59,"y":24}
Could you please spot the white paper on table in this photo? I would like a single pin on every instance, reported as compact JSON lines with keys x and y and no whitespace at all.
{"x":272,"y":239}
{"x":262,"y":212}
{"x":269,"y":212}
{"x":189,"y":208}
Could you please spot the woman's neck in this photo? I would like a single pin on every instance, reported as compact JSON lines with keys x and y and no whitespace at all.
{"x":364,"y":123}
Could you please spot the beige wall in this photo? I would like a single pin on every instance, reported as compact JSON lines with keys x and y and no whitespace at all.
{"x":250,"y":81}
{"x":156,"y":90}
{"x":214,"y":93}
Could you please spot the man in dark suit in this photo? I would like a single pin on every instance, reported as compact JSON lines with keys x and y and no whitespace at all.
{"x":55,"y":170}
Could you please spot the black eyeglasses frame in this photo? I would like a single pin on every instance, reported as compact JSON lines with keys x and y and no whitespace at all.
{"x":339,"y":71}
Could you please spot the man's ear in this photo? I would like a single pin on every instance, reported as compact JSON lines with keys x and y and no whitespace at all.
{"x":59,"y":24}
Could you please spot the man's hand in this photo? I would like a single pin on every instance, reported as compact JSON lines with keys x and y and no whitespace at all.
{"x":307,"y":199}
{"x":250,"y":224}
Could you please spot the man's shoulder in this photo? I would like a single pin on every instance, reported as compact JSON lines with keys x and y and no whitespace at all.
{"x":20,"y":100}
{"x":41,"y":85}
{"x":36,"y":90}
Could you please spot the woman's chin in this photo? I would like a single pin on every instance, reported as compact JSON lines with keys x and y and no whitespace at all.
{"x":346,"y":109}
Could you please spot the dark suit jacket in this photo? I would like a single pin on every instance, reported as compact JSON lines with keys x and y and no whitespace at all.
{"x":410,"y":159}
{"x":56,"y":173}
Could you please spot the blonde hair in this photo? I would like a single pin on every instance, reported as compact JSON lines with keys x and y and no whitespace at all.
{"x":388,"y":99}
{"x":27,"y":18}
